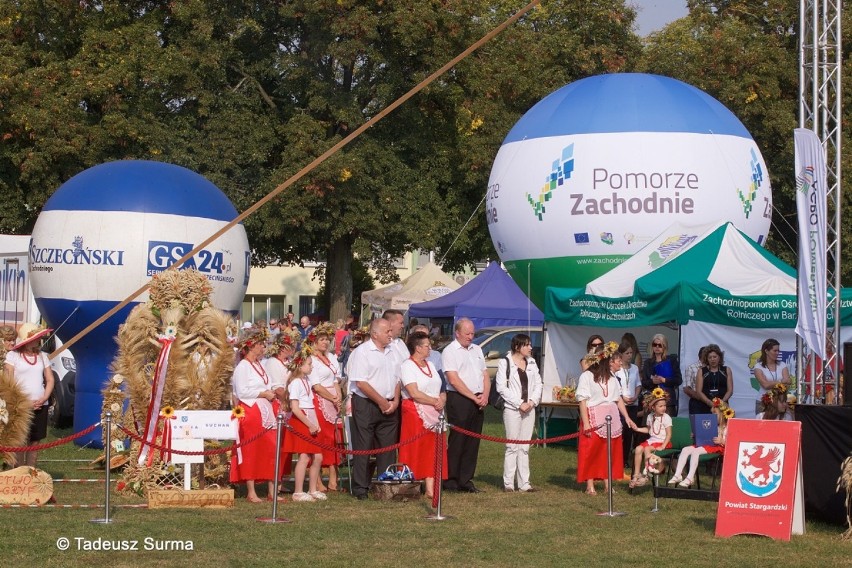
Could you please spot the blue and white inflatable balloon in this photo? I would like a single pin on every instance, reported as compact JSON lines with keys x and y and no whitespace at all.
{"x":101,"y":237}
{"x":600,"y":167}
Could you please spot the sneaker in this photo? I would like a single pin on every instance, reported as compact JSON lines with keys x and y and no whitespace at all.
{"x":686,"y":483}
{"x":675,"y":479}
{"x":319,"y":496}
{"x":303,"y":497}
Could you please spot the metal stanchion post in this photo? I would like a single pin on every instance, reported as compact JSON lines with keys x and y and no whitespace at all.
{"x":437,"y":516}
{"x":275,"y":518}
{"x":108,"y":457}
{"x":656,"y":508}
{"x":610,"y":512}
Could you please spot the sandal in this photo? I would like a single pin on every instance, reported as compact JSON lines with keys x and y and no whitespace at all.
{"x":281,"y":499}
{"x":675,"y":479}
{"x":641,"y":481}
{"x":255,"y":500}
{"x":590,"y":492}
{"x":686,"y":483}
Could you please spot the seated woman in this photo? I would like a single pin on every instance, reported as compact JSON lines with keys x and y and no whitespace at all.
{"x":662,"y":370}
{"x":692,"y":454}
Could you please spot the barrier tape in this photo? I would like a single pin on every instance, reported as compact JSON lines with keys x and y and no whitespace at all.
{"x":540,"y":441}
{"x":57,"y":506}
{"x":53,"y":444}
{"x":330,"y":448}
{"x":213,"y":452}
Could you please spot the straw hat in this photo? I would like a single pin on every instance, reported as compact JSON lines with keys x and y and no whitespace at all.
{"x":30,"y":332}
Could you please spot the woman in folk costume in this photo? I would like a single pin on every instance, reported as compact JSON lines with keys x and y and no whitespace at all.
{"x":254,"y":391}
{"x":328,"y":398}
{"x":31,"y":371}
{"x":422,"y":404}
{"x":599,"y":394}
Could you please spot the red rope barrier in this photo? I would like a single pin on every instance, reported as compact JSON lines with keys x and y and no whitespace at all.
{"x":330,"y":448}
{"x":540,"y":441}
{"x":214,"y":452}
{"x":53,"y":444}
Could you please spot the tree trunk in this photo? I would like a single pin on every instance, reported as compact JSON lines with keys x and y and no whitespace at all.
{"x":338,"y":278}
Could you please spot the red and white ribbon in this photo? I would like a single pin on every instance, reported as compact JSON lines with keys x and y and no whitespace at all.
{"x":156,"y":399}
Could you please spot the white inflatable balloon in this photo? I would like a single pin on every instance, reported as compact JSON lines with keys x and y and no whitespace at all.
{"x":103,"y":234}
{"x":598,"y":168}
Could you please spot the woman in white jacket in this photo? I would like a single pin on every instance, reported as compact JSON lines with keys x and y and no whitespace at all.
{"x":519,"y":383}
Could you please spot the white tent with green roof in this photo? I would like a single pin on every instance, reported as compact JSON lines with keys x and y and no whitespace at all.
{"x":711,"y":273}
{"x":696,"y":285}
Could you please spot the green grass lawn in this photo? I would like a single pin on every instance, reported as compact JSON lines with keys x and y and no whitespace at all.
{"x":557,"y":526}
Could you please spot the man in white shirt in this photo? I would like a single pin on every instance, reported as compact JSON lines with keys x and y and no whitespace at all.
{"x":396,"y":320}
{"x":375,"y":403}
{"x":467,"y":396}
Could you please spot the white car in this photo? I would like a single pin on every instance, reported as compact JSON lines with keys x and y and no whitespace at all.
{"x":495,"y":343}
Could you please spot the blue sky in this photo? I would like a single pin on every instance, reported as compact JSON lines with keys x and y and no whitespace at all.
{"x":653,"y":15}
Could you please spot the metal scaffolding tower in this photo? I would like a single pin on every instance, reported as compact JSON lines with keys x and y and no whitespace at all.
{"x":820,"y":74}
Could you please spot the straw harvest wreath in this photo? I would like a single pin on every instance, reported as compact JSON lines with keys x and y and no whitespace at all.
{"x":173,"y":353}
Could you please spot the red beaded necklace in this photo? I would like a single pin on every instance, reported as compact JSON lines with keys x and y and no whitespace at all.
{"x":656,"y":431}
{"x":27,"y":359}
{"x":260,"y":371}
{"x":605,"y":388}
{"x":327,"y":362}
{"x":427,"y":372}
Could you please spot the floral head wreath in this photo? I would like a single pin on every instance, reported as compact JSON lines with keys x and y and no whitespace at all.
{"x":286,"y":337}
{"x":303,"y":355}
{"x":655,"y":395}
{"x":723,"y":408}
{"x":251,"y":337}
{"x":593,"y":357}
{"x":325,"y":328}
{"x":359,"y":336}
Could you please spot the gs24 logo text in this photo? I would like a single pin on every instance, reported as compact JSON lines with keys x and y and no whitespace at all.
{"x":162,"y":254}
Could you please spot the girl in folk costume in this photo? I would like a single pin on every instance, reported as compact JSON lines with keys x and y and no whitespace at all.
{"x":659,"y":430}
{"x":328,"y":399}
{"x":775,"y":405}
{"x":279,"y":354}
{"x":691,"y":454}
{"x":599,"y":394}
{"x":422,"y":404}
{"x":303,"y":422}
{"x":256,"y":397}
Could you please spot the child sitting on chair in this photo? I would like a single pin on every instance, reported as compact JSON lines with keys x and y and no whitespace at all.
{"x":692,"y":454}
{"x":660,"y":431}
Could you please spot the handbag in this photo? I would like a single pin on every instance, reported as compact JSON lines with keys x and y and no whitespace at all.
{"x":494,"y":398}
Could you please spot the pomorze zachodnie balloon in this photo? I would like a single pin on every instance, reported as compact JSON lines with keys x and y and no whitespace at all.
{"x":598,"y":168}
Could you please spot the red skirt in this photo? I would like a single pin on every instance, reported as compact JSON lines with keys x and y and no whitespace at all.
{"x":330,"y":435}
{"x":714,"y":449}
{"x":591,"y":458}
{"x":420,"y":454}
{"x":294,"y":444}
{"x":258,"y":461}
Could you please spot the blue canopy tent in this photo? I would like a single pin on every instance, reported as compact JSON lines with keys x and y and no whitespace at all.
{"x":491,"y":299}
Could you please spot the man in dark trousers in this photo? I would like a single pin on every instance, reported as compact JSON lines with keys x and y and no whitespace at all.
{"x":375,"y":403}
{"x":467,"y":397}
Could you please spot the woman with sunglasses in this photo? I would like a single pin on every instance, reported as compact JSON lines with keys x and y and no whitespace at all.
{"x":662,"y":370}
{"x":594,"y":343}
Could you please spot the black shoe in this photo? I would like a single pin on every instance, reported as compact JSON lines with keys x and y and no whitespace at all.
{"x":450,"y":486}
{"x":470,"y":489}
{"x":361,"y":496}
